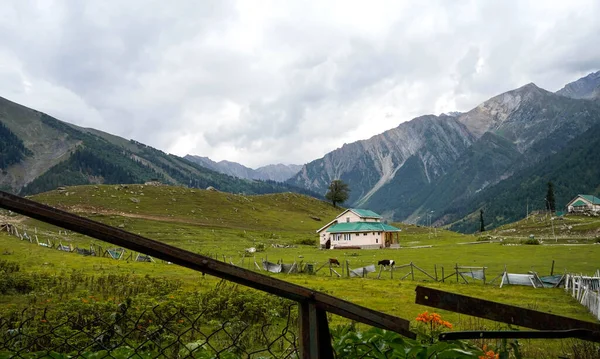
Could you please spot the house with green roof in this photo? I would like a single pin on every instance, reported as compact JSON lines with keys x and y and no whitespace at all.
{"x":358,"y":228}
{"x":584,"y":202}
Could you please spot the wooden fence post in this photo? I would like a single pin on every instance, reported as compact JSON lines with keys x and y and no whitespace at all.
{"x":456,"y":269}
{"x":392,"y":272}
{"x":412,"y":271}
{"x":552,"y":269}
{"x":435,"y":270}
{"x":443,"y":278}
{"x":484,"y":275}
{"x":347,"y":268}
{"x":315,"y":338}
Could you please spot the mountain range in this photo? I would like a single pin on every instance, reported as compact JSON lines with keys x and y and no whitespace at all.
{"x":278,"y":172}
{"x":497,"y":157}
{"x":39,"y":153}
{"x":448,"y":166}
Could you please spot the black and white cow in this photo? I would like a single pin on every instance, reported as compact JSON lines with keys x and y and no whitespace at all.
{"x":387,"y":263}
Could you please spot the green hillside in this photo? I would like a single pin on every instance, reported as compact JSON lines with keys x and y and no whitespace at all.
{"x":12,"y":149}
{"x":39,"y":153}
{"x":281,"y":211}
{"x":573,"y":171}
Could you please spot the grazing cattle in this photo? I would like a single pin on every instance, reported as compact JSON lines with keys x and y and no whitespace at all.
{"x":386,"y":263}
{"x":334,"y":261}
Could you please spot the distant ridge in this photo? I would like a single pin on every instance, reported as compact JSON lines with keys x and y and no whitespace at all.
{"x":278,"y":172}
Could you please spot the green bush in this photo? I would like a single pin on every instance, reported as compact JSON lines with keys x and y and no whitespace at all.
{"x":531,"y":241}
{"x":307,"y":241}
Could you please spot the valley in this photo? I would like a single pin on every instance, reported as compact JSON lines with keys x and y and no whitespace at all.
{"x":223,"y":226}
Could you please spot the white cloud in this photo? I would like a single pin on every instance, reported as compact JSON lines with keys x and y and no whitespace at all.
{"x":268,"y":81}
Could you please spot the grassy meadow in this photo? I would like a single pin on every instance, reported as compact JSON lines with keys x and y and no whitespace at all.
{"x":223,"y":225}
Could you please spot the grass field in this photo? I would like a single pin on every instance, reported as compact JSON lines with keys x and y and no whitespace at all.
{"x":221,"y":224}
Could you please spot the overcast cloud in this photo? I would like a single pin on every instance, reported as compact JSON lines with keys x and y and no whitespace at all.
{"x":262,"y":82}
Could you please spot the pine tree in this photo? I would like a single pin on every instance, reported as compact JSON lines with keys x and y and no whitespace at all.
{"x":481,"y":224}
{"x":550,"y":200}
{"x":338,"y":192}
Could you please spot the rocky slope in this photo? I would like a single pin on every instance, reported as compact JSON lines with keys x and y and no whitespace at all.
{"x":587,"y":87}
{"x":440,"y":163}
{"x":433,"y":142}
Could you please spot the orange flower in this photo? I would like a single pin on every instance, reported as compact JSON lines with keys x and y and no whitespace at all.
{"x":489,"y":355}
{"x":149,"y":320}
{"x":433,"y":318}
{"x":43,"y":321}
{"x":180,"y":321}
{"x":424,"y":317}
{"x":84,"y":300}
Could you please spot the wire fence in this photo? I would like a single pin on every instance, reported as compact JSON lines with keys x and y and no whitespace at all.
{"x":164,"y":331}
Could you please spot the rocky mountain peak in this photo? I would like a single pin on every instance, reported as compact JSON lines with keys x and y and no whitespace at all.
{"x":495,"y":111}
{"x":587,"y":87}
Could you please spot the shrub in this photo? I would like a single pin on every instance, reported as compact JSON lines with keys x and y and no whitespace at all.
{"x":307,"y":241}
{"x":8,"y":267}
{"x":16,"y":283}
{"x":531,"y":241}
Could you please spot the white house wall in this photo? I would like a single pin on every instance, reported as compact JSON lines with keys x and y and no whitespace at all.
{"x":349,"y":217}
{"x":356,"y":239}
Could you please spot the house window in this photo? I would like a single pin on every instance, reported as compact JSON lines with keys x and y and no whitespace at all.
{"x":347,"y":219}
{"x":364,"y":234}
{"x":346,"y":236}
{"x":376,"y":240}
{"x":336,"y":237}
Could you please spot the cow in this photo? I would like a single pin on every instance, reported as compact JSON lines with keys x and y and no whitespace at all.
{"x":334,"y":261}
{"x":386,"y":263}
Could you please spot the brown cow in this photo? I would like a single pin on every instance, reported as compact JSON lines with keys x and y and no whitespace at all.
{"x":334,"y":261}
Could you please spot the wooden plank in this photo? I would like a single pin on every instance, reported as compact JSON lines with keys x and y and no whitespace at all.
{"x":323,"y":336}
{"x":304,"y":327}
{"x":498,"y":312}
{"x":202,"y":263}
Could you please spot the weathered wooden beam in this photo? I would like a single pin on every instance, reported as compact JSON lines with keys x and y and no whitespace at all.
{"x":498,"y":312}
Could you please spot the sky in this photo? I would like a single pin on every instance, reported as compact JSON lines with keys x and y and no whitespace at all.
{"x":265,"y":82}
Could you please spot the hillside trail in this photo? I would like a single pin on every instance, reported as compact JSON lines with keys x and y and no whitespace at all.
{"x":150,"y":217}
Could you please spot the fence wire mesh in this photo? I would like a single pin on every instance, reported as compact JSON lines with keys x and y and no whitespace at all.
{"x":164,"y":331}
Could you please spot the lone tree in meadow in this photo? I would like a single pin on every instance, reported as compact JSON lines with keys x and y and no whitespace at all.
{"x":338,"y":192}
{"x":550,"y":201}
{"x":481,"y":224}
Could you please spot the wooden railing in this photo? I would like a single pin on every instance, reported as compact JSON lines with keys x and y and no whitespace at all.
{"x":315,"y":340}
